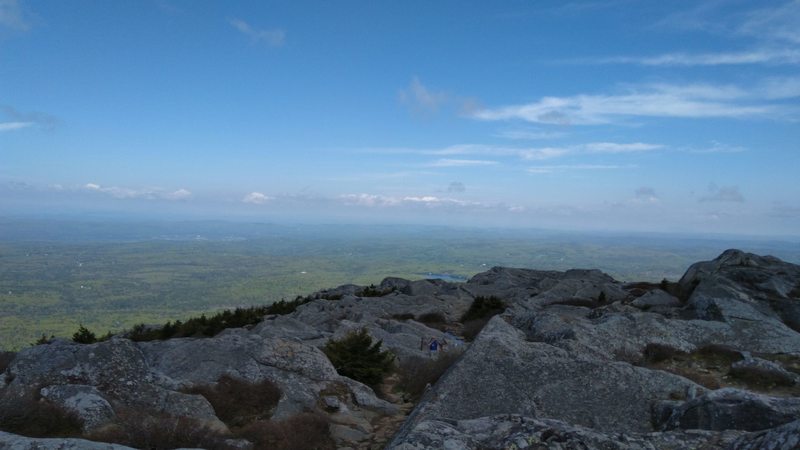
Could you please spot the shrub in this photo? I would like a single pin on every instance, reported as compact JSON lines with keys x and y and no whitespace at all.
{"x":483,"y":307}
{"x":655,"y":353}
{"x":84,"y":336}
{"x":602,"y":297}
{"x":416,"y":373}
{"x":211,"y":326}
{"x":432,"y":318}
{"x":357,"y":357}
{"x":159,"y":432}
{"x":44,"y":340}
{"x":402,"y":317}
{"x":372,"y":291}
{"x":30,"y":415}
{"x":238,"y":402}
{"x":5,"y":360}
{"x":306,"y":431}
{"x":472,"y":328}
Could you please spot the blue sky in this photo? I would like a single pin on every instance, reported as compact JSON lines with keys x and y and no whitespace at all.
{"x":677,"y":116}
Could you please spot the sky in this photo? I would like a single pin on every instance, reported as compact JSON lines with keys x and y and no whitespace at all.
{"x":619,"y":115}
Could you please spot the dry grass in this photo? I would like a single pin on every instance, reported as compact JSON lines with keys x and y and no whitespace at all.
{"x":307,"y":431}
{"x":416,"y":373}
{"x":5,"y":360}
{"x":33,"y":416}
{"x":238,"y":402}
{"x":159,"y":432}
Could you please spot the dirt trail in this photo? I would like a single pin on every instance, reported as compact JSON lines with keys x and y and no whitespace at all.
{"x":385,"y":427}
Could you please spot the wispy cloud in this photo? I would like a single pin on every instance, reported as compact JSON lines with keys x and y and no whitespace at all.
{"x":781,"y":23}
{"x":652,"y":100}
{"x":256,"y":198}
{"x":18,"y":119}
{"x":752,"y":56}
{"x":144,"y":193}
{"x":10,"y":126}
{"x":526,"y":153}
{"x":717,"y":147}
{"x":614,"y":147}
{"x":420,"y":98}
{"x":446,"y":162}
{"x":275,"y":37}
{"x":571,"y":167}
{"x":529,"y":135}
{"x":537,"y":154}
{"x":723,"y":194}
{"x":12,"y":16}
{"x":426,"y":201}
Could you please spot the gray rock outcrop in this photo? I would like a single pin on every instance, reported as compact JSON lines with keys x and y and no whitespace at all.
{"x":568,"y":364}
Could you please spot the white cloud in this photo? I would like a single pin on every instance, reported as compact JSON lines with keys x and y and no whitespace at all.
{"x":180,"y":194}
{"x":781,"y":23}
{"x":10,"y":126}
{"x":11,"y":16}
{"x":613,"y":147}
{"x":718,"y":147}
{"x":274,"y":38}
{"x":778,"y":88}
{"x":421,"y":98}
{"x":537,"y":154}
{"x":461,"y":163}
{"x":529,"y":135}
{"x":368,"y":200}
{"x":256,"y":198}
{"x":752,"y":56}
{"x":570,"y":167}
{"x":427,"y":201}
{"x":655,"y":100}
{"x":145,"y":193}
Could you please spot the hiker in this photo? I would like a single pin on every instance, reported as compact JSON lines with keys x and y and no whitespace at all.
{"x":433,"y":347}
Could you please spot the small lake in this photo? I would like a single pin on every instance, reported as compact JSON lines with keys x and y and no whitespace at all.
{"x":443,"y":276}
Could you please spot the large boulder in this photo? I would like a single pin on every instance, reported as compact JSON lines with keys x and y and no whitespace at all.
{"x":14,"y":442}
{"x":731,"y":409}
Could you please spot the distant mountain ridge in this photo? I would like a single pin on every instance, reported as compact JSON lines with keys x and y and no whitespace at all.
{"x":572,"y":359}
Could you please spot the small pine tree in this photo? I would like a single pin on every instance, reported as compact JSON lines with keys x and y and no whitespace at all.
{"x":84,"y":336}
{"x":357,"y":357}
{"x":602,"y":298}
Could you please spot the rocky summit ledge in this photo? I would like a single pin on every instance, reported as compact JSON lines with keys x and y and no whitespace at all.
{"x":574,"y":359}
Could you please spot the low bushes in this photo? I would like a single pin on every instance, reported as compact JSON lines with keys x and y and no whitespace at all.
{"x":357,"y":357}
{"x":5,"y":360}
{"x":210,"y":326}
{"x":160,"y":432}
{"x":30,"y":415}
{"x":483,"y":308}
{"x":238,"y":402}
{"x":416,"y":373}
{"x":306,"y":431}
{"x":477,"y":316}
{"x":372,"y":291}
{"x":655,"y":353}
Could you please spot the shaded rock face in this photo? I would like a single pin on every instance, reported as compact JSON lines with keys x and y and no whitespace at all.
{"x":727,"y":409}
{"x":759,"y":292}
{"x":12,"y":441}
{"x":576,"y":368}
